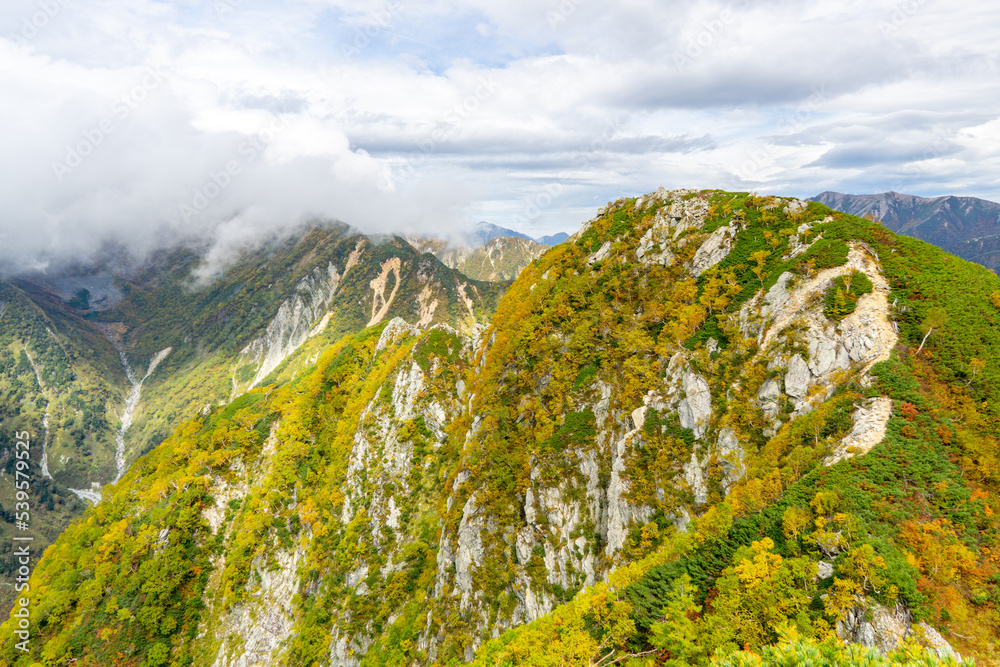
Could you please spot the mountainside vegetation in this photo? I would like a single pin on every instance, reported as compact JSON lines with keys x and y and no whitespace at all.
{"x":191,"y":344}
{"x":711,"y":428}
{"x":966,"y":226}
{"x":499,"y":259}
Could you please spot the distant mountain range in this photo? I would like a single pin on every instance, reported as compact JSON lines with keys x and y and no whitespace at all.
{"x":964,"y":226}
{"x":489,"y":253}
{"x":499,"y":259}
{"x":486,"y":232}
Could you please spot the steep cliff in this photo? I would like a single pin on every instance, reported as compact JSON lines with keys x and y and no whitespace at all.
{"x":104,"y":376}
{"x":704,"y":403}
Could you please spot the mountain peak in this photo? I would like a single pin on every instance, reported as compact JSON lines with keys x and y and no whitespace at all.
{"x":696,"y":383}
{"x":966,"y":226}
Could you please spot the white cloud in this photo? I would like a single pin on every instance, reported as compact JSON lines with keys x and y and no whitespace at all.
{"x":524,"y":113}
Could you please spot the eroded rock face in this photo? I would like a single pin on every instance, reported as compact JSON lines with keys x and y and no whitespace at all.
{"x":876,"y":626}
{"x":695,"y":409}
{"x":731,"y":458}
{"x":348,"y":651}
{"x":855,"y":344}
{"x":266,"y":621}
{"x":798,"y":377}
{"x":621,"y":513}
{"x":469,"y":551}
{"x":396,"y":331}
{"x":601,"y":253}
{"x":293,"y":324}
{"x":870,"y":422}
{"x":713,"y":250}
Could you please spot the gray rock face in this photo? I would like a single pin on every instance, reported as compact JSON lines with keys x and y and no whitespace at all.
{"x":713,"y":250}
{"x":469,"y":553}
{"x":876,"y":626}
{"x":293,"y":324}
{"x":347,"y":651}
{"x":694,"y":475}
{"x":266,"y":621}
{"x":796,"y":206}
{"x":695,"y":409}
{"x":768,"y":396}
{"x":731,"y":458}
{"x":621,"y":513}
{"x":797,"y":378}
{"x":601,"y":253}
{"x":395,"y":331}
{"x":654,"y":245}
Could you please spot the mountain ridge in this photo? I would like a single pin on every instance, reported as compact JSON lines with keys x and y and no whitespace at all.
{"x":684,"y":394}
{"x":188,"y":345}
{"x":966,"y":226}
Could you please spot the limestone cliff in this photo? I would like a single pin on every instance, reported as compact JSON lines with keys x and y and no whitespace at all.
{"x":698,"y":382}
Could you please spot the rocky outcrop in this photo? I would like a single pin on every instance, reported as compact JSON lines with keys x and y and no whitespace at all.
{"x":855,"y":344}
{"x":622,"y":514}
{"x":293,"y":323}
{"x":395,"y":332}
{"x":878,"y":627}
{"x":731,"y":458}
{"x":601,"y":254}
{"x":713,"y":249}
{"x":347,"y":651}
{"x":267,"y":620}
{"x":870,"y":422}
{"x":695,"y":409}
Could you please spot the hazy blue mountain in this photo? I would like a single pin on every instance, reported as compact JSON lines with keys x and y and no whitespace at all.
{"x":486,"y":232}
{"x":966,"y":226}
{"x":553,"y":239}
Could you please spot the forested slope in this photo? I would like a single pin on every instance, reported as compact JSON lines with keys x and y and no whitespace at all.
{"x":709,"y":421}
{"x":190,"y":343}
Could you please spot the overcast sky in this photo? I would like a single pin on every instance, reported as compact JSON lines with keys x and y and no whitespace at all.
{"x":139,"y":122}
